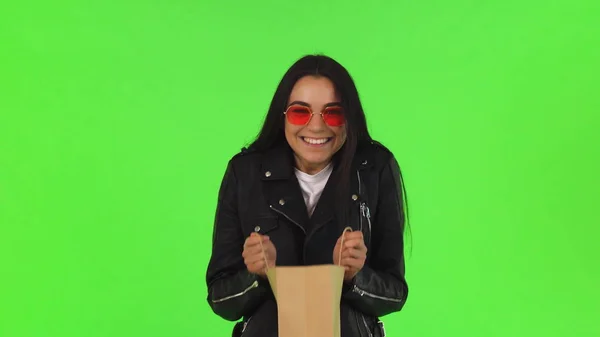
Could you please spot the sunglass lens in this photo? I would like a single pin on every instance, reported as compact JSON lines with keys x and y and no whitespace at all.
{"x":334,"y":116}
{"x":298,"y":115}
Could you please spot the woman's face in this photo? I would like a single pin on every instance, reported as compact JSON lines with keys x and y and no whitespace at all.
{"x":316,"y":142}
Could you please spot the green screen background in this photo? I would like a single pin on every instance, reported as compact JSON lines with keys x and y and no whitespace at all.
{"x":117,"y":119}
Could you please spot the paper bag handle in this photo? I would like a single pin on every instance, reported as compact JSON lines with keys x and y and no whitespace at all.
{"x":264,"y":255}
{"x":347,"y":229}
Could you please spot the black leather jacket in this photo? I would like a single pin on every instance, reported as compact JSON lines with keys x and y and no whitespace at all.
{"x":260,"y":193}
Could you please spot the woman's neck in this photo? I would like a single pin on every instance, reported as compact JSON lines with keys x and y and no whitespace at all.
{"x":310,"y":168}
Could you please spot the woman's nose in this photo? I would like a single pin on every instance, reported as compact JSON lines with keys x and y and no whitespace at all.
{"x":316,"y":122}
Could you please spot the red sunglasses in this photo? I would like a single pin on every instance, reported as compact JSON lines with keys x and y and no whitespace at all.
{"x":301,"y":115}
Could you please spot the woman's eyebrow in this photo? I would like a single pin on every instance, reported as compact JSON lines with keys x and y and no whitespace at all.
{"x":308,"y":105}
{"x":299,"y":103}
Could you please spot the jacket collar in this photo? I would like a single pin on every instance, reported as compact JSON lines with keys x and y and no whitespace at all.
{"x":285,"y":196}
{"x":278,"y":163}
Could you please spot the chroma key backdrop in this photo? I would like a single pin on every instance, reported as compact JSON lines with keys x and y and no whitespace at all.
{"x":117,"y":119}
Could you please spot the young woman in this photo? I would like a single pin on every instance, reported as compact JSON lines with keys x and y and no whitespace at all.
{"x":312,"y":171}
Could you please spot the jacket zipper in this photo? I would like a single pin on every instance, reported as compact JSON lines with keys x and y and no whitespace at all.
{"x":364,"y":209}
{"x":246,"y":324}
{"x":361,"y":292}
{"x":382,"y":327}
{"x":362,"y":204}
{"x":357,"y":323}
{"x":252,"y":286}
{"x":287,"y":217}
{"x":295,"y":223}
{"x":362,"y":214}
{"x":367,"y":326}
{"x":368,"y":215}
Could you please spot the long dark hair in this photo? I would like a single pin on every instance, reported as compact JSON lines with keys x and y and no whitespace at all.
{"x":272,"y":132}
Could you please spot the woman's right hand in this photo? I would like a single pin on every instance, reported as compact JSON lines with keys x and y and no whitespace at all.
{"x":253,"y":254}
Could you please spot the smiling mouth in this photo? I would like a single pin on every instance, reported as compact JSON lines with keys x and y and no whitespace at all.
{"x":316,"y":141}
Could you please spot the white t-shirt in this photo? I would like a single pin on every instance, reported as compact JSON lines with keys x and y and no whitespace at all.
{"x":312,"y":186}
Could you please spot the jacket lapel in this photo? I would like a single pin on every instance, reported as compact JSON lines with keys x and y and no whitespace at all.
{"x":325,"y":209}
{"x":284,"y":195}
{"x":281,"y":187}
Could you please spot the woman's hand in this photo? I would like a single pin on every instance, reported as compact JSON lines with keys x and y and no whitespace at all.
{"x":354,"y":254}
{"x":253,"y":254}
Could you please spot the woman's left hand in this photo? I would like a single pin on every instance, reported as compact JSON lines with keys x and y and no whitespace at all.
{"x":354,"y":254}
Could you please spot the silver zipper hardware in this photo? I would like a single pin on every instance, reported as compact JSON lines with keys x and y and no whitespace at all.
{"x":362,"y":213}
{"x":252,"y":286}
{"x":367,"y":326}
{"x":368,"y":215}
{"x":362,"y":204}
{"x":361,"y":292}
{"x":380,"y":322}
{"x":357,"y":323}
{"x":246,"y":324}
{"x":295,"y":223}
{"x":287,"y":217}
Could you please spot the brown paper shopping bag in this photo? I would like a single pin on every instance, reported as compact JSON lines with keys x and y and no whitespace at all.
{"x":308,"y":298}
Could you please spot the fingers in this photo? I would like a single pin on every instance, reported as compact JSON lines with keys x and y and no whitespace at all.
{"x":251,"y":259}
{"x":356,"y":243}
{"x":350,"y":236}
{"x":354,"y":253}
{"x":352,"y":239}
{"x":254,"y":240}
{"x":352,"y":264}
{"x":253,"y":254}
{"x":252,"y":244}
{"x":252,"y":250}
{"x":256,"y":263}
{"x":257,"y":268}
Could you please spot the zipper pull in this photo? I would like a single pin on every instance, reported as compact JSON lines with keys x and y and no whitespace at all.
{"x":382,"y":327}
{"x":246,"y":324}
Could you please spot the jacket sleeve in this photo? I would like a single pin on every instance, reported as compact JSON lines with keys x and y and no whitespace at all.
{"x":233,"y":292}
{"x":380,"y":287}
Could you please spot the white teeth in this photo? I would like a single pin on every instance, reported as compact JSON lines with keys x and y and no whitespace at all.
{"x":315,"y":141}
